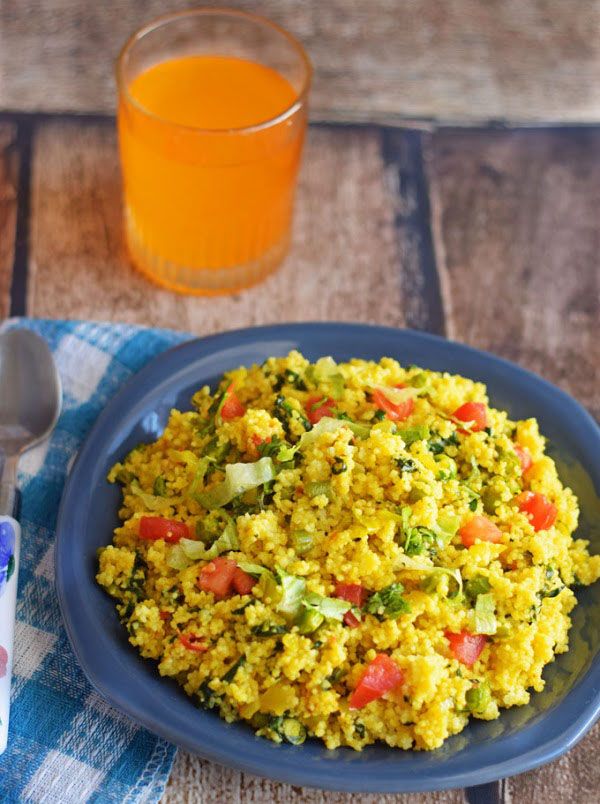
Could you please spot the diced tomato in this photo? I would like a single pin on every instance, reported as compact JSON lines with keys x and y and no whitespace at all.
{"x":193,"y":642}
{"x":165,"y":615}
{"x":317,"y":407}
{"x":473,"y":412}
{"x":479,"y":527}
{"x":524,"y":457}
{"x":351,"y":620}
{"x":396,"y":412}
{"x":538,"y":509}
{"x":466,"y":647}
{"x":258,"y":440}
{"x":232,"y":407}
{"x":153,"y":528}
{"x":217,"y":577}
{"x":354,"y":593}
{"x":242,"y":582}
{"x":382,"y":675}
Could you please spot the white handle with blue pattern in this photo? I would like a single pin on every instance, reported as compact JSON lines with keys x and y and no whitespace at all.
{"x":10,"y":543}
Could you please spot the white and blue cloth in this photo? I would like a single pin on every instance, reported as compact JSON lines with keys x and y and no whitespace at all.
{"x":66,"y":745}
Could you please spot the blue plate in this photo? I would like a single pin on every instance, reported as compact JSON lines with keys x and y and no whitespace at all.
{"x":519,"y":740}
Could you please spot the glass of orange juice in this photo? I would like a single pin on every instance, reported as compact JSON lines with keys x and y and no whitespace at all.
{"x":212,"y":117}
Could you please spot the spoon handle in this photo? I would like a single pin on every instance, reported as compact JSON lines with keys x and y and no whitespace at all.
{"x":10,"y":544}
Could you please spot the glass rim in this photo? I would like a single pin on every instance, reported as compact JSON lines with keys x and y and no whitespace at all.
{"x":164,"y":19}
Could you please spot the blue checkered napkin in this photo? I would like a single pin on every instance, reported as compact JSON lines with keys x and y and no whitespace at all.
{"x":65,"y":743}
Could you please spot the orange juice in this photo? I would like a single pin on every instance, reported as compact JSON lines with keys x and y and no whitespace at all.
{"x":210,"y":147}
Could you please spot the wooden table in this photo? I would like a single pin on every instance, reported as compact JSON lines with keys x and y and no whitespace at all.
{"x":490,"y":237}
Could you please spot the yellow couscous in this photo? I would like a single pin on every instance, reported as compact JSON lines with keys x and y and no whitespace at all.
{"x":353,"y":552}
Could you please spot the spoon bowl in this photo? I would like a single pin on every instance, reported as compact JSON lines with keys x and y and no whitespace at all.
{"x":30,"y":391}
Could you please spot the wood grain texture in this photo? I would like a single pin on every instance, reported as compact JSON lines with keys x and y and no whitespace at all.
{"x":9,"y":176}
{"x":517,"y":216}
{"x":194,"y":781}
{"x":342,"y":265}
{"x":386,"y":60}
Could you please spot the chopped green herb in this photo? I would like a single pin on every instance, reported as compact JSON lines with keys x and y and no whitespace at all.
{"x":243,"y":608}
{"x":230,"y":674}
{"x":289,"y":377}
{"x":388,"y":602}
{"x":339,"y":466}
{"x":473,"y":504}
{"x":406,"y":464}
{"x":124,"y":477}
{"x":419,"y":540}
{"x":379,"y":415}
{"x":207,"y":697}
{"x":359,"y":728}
{"x":284,"y":411}
{"x":437,"y":446}
{"x":268,"y":630}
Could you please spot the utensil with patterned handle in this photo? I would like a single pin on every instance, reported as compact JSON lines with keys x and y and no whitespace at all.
{"x":30,"y":402}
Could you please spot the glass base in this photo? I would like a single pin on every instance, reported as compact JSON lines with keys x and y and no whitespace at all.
{"x":196,"y":280}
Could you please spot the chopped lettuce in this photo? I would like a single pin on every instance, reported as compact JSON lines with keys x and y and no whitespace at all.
{"x":151,"y":501}
{"x":331,"y":608}
{"x":177,"y":559}
{"x":188,"y":551}
{"x":418,"y":432}
{"x":239,"y":478}
{"x":430,"y":582}
{"x":325,"y":425}
{"x":397,"y":396}
{"x":485,"y":618}
{"x":292,"y":591}
{"x":326,"y":372}
{"x":252,"y":569}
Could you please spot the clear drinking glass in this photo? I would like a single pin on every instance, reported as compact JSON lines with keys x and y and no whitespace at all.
{"x":212,"y":116}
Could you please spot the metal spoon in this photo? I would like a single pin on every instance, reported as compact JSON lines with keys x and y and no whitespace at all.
{"x":30,"y":403}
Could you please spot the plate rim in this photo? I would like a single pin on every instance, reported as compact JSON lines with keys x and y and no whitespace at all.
{"x":540,"y":754}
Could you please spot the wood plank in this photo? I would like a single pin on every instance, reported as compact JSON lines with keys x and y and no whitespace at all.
{"x":342,"y":265}
{"x":462,"y":60}
{"x":574,"y":777}
{"x":9,"y":177}
{"x":515,"y":216}
{"x":200,"y":782}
